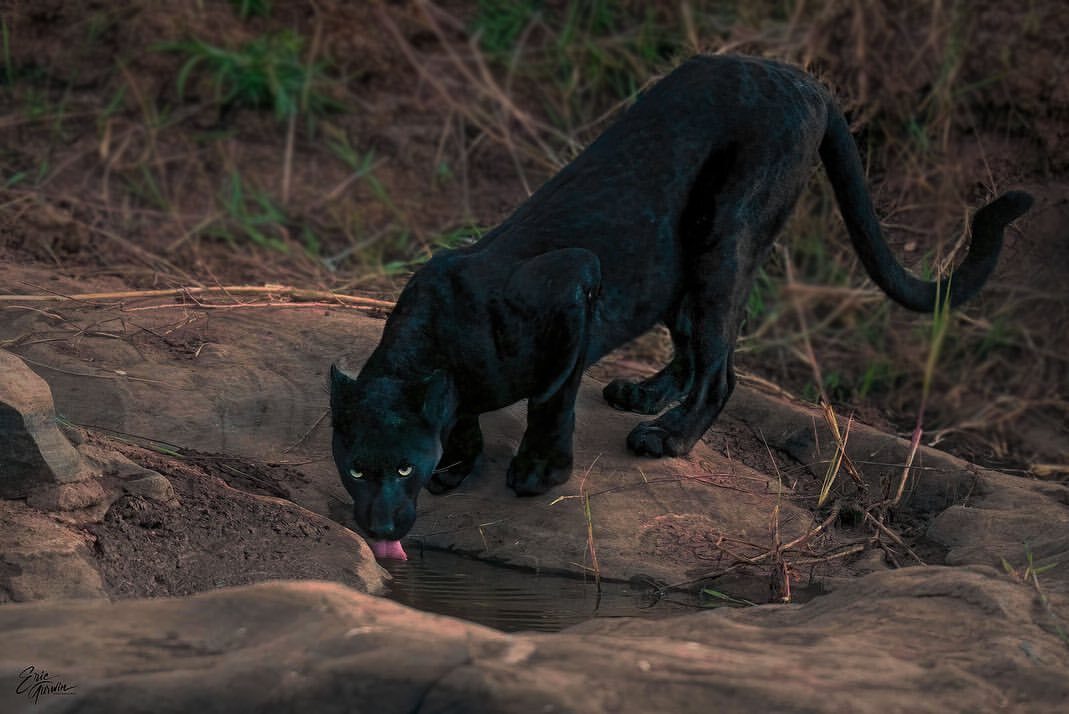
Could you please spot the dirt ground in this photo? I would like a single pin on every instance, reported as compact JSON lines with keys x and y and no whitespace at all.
{"x":213,"y":535}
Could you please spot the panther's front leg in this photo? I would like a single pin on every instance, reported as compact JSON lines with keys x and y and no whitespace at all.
{"x":553,"y":299}
{"x":461,"y":457}
{"x":544,"y":459}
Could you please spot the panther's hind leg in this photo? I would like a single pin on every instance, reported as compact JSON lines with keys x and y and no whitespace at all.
{"x":676,"y":431}
{"x":722,"y":269}
{"x":461,"y":457}
{"x":652,"y":395}
{"x":733,"y":220}
{"x":554,"y":298}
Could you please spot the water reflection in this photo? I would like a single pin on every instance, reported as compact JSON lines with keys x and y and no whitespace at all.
{"x":512,"y":599}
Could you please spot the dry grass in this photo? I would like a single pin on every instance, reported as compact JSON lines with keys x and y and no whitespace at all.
{"x":450,"y":113}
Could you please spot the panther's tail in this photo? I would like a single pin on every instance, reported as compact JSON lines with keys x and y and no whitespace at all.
{"x":841,"y":162}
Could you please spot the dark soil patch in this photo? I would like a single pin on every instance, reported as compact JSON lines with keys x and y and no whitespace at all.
{"x":252,"y":477}
{"x":213,"y":535}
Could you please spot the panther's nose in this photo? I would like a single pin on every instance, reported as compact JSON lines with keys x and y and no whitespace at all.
{"x":383,"y":524}
{"x":387,"y":517}
{"x":384,"y":532}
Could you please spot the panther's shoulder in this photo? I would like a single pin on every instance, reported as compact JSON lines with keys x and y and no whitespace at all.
{"x":435,"y":283}
{"x":441,"y":269}
{"x":740,"y":63}
{"x":704,"y":70}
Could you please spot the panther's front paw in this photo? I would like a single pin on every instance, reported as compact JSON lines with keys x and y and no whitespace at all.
{"x":632,"y":397}
{"x":532,"y":476}
{"x":648,"y":439}
{"x":447,"y":478}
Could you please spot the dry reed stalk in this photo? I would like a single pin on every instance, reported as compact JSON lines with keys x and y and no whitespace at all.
{"x":841,"y":458}
{"x":1048,"y":470}
{"x":292,"y":293}
{"x":893,"y":536}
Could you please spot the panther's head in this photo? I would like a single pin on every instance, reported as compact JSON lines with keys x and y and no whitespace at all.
{"x":388,"y":436}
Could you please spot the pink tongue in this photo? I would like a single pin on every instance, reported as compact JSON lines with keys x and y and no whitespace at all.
{"x":388,"y":550}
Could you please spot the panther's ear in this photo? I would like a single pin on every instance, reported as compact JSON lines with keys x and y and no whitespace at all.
{"x":440,"y":398}
{"x":339,"y":383}
{"x":339,"y":378}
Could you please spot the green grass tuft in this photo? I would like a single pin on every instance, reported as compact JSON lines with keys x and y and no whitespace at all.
{"x":499,"y":23}
{"x":250,"y":214}
{"x":251,"y":8}
{"x":267,"y":72}
{"x":716,"y":598}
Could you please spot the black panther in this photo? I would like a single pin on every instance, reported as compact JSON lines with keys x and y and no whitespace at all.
{"x":664,"y":218}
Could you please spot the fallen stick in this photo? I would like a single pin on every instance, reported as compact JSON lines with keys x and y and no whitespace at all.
{"x":239,"y":305}
{"x":280,"y":290}
{"x":893,"y":536}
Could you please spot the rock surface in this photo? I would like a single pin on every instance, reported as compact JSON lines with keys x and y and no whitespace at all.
{"x":969,"y":637}
{"x":662,"y":519}
{"x":37,"y":458}
{"x":981,"y":517}
{"x":321,"y":647}
{"x":259,"y":384}
{"x":256,"y":387}
{"x":43,"y":560}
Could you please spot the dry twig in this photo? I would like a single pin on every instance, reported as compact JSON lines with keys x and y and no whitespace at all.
{"x":280,"y":291}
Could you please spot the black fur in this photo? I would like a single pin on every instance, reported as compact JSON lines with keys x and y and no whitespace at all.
{"x":664,"y":218}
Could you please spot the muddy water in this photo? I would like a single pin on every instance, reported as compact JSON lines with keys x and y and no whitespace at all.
{"x":510,"y":599}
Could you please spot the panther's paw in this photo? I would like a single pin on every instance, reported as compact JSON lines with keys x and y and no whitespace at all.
{"x":648,"y":439}
{"x":631,"y":397}
{"x":449,"y":477}
{"x":532,"y":476}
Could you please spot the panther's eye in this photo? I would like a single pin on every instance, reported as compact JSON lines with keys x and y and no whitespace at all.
{"x":404,"y":469}
{"x":357,"y":475}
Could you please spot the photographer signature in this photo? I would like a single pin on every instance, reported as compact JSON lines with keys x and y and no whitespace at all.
{"x":34,"y":683}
